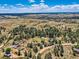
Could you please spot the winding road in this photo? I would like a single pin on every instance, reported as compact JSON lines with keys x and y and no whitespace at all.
{"x":45,"y":49}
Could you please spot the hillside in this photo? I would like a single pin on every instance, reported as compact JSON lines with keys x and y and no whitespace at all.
{"x":39,"y":36}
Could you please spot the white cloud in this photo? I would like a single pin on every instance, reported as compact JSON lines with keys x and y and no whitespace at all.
{"x":39,"y":8}
{"x":42,"y":1}
{"x":31,"y":1}
{"x":20,"y":5}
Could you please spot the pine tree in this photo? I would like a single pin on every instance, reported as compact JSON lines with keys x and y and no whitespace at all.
{"x":29,"y":54}
{"x":48,"y":56}
{"x":35,"y":49}
{"x":39,"y":56}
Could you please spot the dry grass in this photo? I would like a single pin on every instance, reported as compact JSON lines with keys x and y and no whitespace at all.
{"x":9,"y":24}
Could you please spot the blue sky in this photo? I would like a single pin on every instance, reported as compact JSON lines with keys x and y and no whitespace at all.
{"x":34,"y":6}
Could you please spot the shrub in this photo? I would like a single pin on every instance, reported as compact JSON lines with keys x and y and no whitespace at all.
{"x":19,"y":52}
{"x":48,"y":56}
{"x":29,"y":54}
{"x":39,"y":56}
{"x":8,"y":50}
{"x":35,"y":49}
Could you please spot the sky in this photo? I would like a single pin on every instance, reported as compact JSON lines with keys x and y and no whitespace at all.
{"x":38,"y":6}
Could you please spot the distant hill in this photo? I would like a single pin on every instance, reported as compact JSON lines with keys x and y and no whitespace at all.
{"x":21,"y":14}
